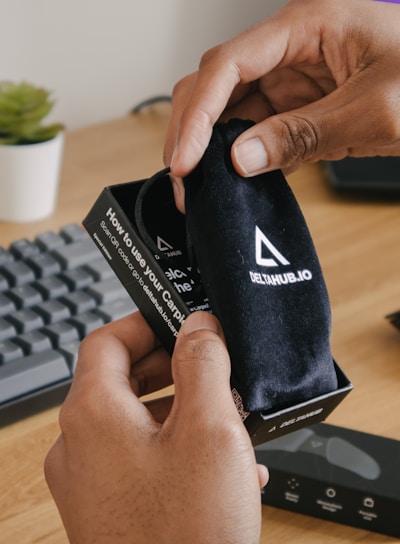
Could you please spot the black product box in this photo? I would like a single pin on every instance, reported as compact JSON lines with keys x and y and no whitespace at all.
{"x":336,"y":474}
{"x":167,"y":293}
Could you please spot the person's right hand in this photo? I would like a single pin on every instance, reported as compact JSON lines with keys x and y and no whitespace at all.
{"x":179,"y":470}
{"x":320,"y":78}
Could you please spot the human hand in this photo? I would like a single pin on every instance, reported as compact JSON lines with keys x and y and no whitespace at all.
{"x":320,"y":78}
{"x":172,"y":471}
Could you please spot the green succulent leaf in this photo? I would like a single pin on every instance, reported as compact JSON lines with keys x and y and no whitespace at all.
{"x":46,"y":133}
{"x":22,"y":110}
{"x":8,"y":140}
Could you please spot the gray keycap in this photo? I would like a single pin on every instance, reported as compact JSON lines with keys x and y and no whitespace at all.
{"x":52,"y":287}
{"x":33,"y":342}
{"x":117,"y":309}
{"x":77,"y":278}
{"x":70,"y":352}
{"x":25,"y":320}
{"x":76,"y":254}
{"x":25,"y":296}
{"x":100,"y":269}
{"x":25,"y":375}
{"x":7,"y":330}
{"x":4,"y":285}
{"x":22,"y":249}
{"x":9,"y":352}
{"x":86,"y":323}
{"x":107,"y":290}
{"x":49,"y":240}
{"x":61,"y":333}
{"x":18,"y":273}
{"x":73,"y":232}
{"x":44,"y":265}
{"x":52,"y":311}
{"x":5,"y":256}
{"x":6,"y":305}
{"x":79,"y":302}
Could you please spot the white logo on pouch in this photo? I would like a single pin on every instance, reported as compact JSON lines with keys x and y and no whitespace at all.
{"x":262,"y":240}
{"x":275,"y":260}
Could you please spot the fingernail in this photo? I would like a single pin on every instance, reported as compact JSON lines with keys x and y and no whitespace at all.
{"x":251,"y":156}
{"x":179,"y":192}
{"x":176,"y":186}
{"x":174,"y":156}
{"x":200,"y":321}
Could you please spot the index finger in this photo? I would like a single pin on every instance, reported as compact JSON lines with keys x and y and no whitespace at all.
{"x":106,"y":362}
{"x":115,"y":346}
{"x":210,"y":93}
{"x":242,"y":60}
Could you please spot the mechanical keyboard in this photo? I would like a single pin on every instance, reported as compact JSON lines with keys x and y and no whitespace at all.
{"x":54,"y":290}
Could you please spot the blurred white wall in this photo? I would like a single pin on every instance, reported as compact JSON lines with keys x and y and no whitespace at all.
{"x":101,"y":57}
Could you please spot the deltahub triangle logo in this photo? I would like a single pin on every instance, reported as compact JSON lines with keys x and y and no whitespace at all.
{"x":267,"y":255}
{"x":163,"y":245}
{"x":166,"y":247}
{"x":261,"y":241}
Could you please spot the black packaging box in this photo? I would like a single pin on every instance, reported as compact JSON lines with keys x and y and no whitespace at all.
{"x":167,"y":294}
{"x":336,"y":474}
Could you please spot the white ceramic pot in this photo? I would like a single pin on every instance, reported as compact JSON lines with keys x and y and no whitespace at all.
{"x":29,"y":179}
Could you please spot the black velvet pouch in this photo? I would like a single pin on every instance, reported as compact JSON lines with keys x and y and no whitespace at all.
{"x":261,"y":274}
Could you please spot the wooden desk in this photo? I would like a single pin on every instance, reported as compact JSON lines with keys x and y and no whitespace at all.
{"x":358,"y":246}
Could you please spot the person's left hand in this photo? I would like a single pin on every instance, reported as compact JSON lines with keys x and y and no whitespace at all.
{"x":171,"y":471}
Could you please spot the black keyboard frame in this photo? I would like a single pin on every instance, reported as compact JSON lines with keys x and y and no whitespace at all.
{"x":34,"y":402}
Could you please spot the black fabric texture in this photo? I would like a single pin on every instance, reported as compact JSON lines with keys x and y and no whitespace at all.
{"x":274,"y":307}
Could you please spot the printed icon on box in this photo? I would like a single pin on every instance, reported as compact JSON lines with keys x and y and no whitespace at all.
{"x":330,"y":492}
{"x":368,"y":502}
{"x":293,"y":484}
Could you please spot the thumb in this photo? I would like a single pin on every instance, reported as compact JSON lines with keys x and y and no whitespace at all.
{"x":319,"y":130}
{"x":280,"y":142}
{"x":201,"y":370}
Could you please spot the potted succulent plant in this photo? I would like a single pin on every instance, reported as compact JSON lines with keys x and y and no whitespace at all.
{"x":30,"y":153}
